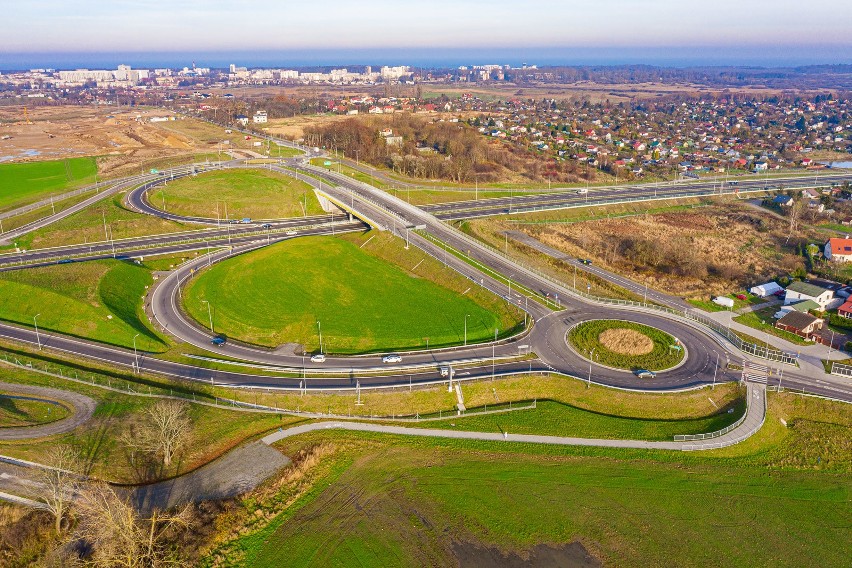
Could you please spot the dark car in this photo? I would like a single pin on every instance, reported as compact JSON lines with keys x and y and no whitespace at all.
{"x":65,"y":261}
{"x":266,"y":226}
{"x":218,"y":341}
{"x":586,"y":261}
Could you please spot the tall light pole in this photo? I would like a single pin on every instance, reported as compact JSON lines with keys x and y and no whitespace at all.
{"x":493,"y":356}
{"x":715,"y":369}
{"x":209,"y":315}
{"x":465,"y":329}
{"x":319,"y":331}
{"x":136,"y":353}
{"x":591,"y":358}
{"x":38,"y":339}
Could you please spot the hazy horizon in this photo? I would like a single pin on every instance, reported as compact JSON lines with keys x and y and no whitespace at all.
{"x":774,"y":56}
{"x":215,"y":32}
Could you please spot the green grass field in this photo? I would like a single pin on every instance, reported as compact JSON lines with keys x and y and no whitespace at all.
{"x":555,"y":418}
{"x":100,"y":300}
{"x":779,"y":499}
{"x":257,"y":194}
{"x":363,"y":301}
{"x":585,"y":338}
{"x":19,"y":412}
{"x":30,"y":181}
{"x":88,"y":226}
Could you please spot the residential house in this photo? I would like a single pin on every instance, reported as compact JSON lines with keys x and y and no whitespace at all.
{"x":845,"y":311}
{"x":259,"y":117}
{"x":802,"y":324}
{"x":242,"y":119}
{"x":798,"y":291}
{"x":838,"y":250}
{"x":783,"y":200}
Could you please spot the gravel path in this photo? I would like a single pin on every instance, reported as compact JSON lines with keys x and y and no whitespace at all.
{"x":81,"y":405}
{"x":236,"y":472}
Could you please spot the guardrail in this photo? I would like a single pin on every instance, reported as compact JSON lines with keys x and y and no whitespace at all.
{"x":710,"y":435}
{"x":737,"y":440}
{"x":841,"y":369}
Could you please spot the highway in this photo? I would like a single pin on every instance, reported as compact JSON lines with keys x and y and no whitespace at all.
{"x":386,"y":212}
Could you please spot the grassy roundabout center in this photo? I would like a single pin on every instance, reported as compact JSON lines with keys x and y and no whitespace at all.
{"x":626,"y":345}
{"x":364,"y":292}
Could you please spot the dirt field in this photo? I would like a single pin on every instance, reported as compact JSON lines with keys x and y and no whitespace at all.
{"x":626,"y":341}
{"x":121,"y":138}
{"x":716,"y":249}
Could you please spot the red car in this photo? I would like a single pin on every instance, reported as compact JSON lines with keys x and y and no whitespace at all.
{"x":741,"y":297}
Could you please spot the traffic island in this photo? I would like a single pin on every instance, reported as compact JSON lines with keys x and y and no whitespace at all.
{"x":626,"y":345}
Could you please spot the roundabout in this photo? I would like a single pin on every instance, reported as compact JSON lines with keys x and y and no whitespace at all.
{"x":626,"y":345}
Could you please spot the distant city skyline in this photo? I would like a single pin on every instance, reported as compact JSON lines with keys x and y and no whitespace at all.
{"x":760,"y":32}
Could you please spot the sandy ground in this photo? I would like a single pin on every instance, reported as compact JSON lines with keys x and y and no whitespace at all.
{"x":119,"y":136}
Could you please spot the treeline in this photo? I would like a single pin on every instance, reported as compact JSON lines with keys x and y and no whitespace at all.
{"x":439,"y":150}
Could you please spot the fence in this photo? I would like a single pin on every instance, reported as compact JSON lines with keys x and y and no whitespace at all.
{"x":841,"y":369}
{"x":737,"y":440}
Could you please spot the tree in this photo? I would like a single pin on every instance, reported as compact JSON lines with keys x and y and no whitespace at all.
{"x":164,"y":431}
{"x":118,"y":535}
{"x":59,"y":482}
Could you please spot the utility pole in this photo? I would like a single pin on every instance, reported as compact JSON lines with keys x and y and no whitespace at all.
{"x":319,"y":330}
{"x":136,"y":353}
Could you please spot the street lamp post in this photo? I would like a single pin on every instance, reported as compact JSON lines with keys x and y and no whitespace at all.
{"x":493,"y":356}
{"x":38,"y":339}
{"x":591,"y":358}
{"x":209,"y":315}
{"x":465,"y":329}
{"x":715,"y":369}
{"x":136,"y":353}
{"x":319,"y":331}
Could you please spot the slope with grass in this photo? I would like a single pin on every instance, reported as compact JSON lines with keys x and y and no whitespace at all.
{"x":30,"y":181}
{"x":97,"y":223}
{"x":361,"y":299}
{"x":256,"y":194}
{"x":100,"y":300}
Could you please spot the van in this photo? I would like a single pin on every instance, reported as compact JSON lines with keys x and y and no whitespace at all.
{"x":444,"y":370}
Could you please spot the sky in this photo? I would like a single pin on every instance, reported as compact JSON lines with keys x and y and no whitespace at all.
{"x":815,"y":31}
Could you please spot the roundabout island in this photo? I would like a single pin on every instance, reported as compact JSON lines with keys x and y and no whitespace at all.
{"x":626,"y":345}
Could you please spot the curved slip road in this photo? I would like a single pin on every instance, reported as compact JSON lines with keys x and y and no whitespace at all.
{"x":82,"y":408}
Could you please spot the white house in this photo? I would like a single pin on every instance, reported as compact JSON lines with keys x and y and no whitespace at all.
{"x":242,"y":119}
{"x":259,"y":117}
{"x":838,"y":250}
{"x":798,"y":291}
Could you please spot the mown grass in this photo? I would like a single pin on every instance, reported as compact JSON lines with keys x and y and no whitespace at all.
{"x":710,"y":306}
{"x":585,"y":339}
{"x":256,"y":194}
{"x":402,"y":500}
{"x":762,"y":320}
{"x":16,"y":412}
{"x":559,"y":419}
{"x":366,"y":298}
{"x":105,"y":220}
{"x":99,"y":300}
{"x":30,"y":181}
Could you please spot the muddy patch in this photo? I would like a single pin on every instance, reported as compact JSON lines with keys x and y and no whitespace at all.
{"x":573,"y":555}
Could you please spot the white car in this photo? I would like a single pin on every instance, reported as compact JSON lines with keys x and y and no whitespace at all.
{"x":392,"y":359}
{"x":582,"y":191}
{"x":318,"y":358}
{"x":292,"y":233}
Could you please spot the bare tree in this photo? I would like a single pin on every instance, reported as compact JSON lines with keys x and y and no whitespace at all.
{"x":60,"y":482}
{"x":164,"y":431}
{"x":118,"y":535}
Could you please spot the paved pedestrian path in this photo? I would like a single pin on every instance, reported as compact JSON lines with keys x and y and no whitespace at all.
{"x":754,"y":418}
